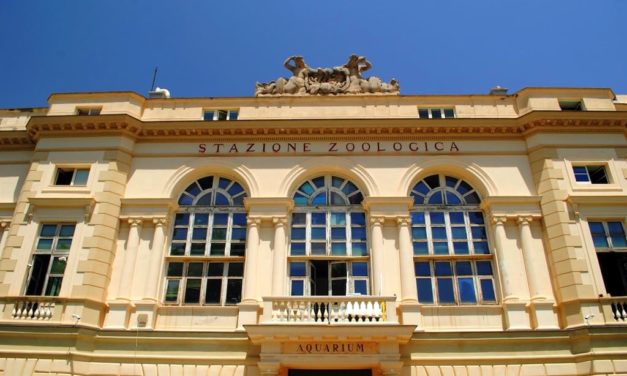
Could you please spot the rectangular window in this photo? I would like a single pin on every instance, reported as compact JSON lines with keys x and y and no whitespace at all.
{"x":328,"y":278}
{"x":197,"y":283}
{"x":449,"y":233}
{"x":71,"y":176}
{"x":566,"y":105}
{"x":209,"y":234}
{"x":88,"y":111}
{"x":590,"y":174}
{"x":436,"y":113}
{"x":334,"y":233}
{"x":451,"y":282}
{"x":48,"y":263}
{"x":211,"y":115}
{"x":611,"y":249}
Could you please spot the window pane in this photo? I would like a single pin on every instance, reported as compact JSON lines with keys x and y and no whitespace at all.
{"x":425,"y":292}
{"x":338,"y":219}
{"x":476,"y":218}
{"x":172,"y":290}
{"x":459,"y":232}
{"x":199,"y":234}
{"x":218,"y":234}
{"x":218,"y":249}
{"x":617,"y":234}
{"x":338,"y":249}
{"x":349,"y":188}
{"x":436,"y":113}
{"x":484,"y":268}
{"x":208,"y":116}
{"x":180,"y":234}
{"x":297,"y":269}
{"x":358,"y":219}
{"x":478,"y":232}
{"x":194,"y":269}
{"x":321,"y":199}
{"x":449,"y":113}
{"x":233,"y":291}
{"x":297,"y":249}
{"x":175,"y":269}
{"x":436,"y":199}
{"x":358,"y":233}
{"x":220,"y":219}
{"x":200,"y":219}
{"x":318,"y":249}
{"x":437,"y":218}
{"x":318,"y":182}
{"x":221,"y":199}
{"x":463,"y":268}
{"x":318,"y":233}
{"x":38,"y":275}
{"x":421,"y":248}
{"x":422,"y":269}
{"x":299,"y":218}
{"x":443,"y":269}
{"x":298,"y":288}
{"x":307,"y":188}
{"x":445,"y":291}
{"x":67,"y":230}
{"x":238,"y":234}
{"x":438,"y":232}
{"x":418,"y":218}
{"x":58,"y":265}
{"x":239,"y":219}
{"x":48,"y":230}
{"x":298,"y":233}
{"x":177,"y":249}
{"x":456,"y":218}
{"x":236,"y":269}
{"x":44,"y":244}
{"x":338,"y":233}
{"x":193,"y":189}
{"x":452,"y":199}
{"x":419,"y":233}
{"x":238,"y":249}
{"x":318,"y":218}
{"x":461,"y":248}
{"x":423,"y":113}
{"x":481,"y":248}
{"x":487,"y":290}
{"x":597,"y":174}
{"x":360,"y":249}
{"x":356,"y":199}
{"x":181,"y":219}
{"x":213,"y":292}
{"x":197,"y":249}
{"x":64,"y":176}
{"x":440,"y":248}
{"x":338,"y":269}
{"x":361,"y":287}
{"x":360,"y":269}
{"x":215,"y":269}
{"x":54,"y":286}
{"x":192,"y":291}
{"x":466,"y":290}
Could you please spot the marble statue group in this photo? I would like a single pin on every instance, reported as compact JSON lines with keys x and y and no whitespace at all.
{"x":344,"y":79}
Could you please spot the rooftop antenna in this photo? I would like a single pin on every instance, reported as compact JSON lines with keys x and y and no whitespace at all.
{"x":154,"y":79}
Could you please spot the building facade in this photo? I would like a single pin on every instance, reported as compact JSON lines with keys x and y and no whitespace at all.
{"x":363,"y":234}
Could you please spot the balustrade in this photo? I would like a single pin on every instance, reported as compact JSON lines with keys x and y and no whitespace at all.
{"x":330,"y":310}
{"x":33,"y":310}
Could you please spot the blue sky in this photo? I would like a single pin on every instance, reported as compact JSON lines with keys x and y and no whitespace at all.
{"x":220,"y":48}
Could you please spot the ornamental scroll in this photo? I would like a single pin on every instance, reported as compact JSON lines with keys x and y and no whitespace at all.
{"x":344,"y":79}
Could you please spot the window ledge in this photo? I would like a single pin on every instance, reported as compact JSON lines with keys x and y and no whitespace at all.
{"x":587,"y":187}
{"x":613,"y":200}
{"x":66,"y":189}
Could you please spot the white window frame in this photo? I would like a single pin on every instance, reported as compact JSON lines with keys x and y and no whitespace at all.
{"x":88,"y":111}
{"x":441,"y":109}
{"x":204,"y":278}
{"x":231,"y":114}
{"x":75,"y":171}
{"x":349,"y":277}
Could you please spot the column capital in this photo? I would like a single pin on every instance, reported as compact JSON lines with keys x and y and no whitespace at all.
{"x":160,"y":221}
{"x":134,"y":222}
{"x":499,"y":219}
{"x":377,"y":220}
{"x":279,"y":221}
{"x":403,"y":220}
{"x":253,"y":221}
{"x":524,"y":219}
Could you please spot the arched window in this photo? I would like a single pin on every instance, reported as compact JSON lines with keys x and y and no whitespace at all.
{"x":205,"y":263}
{"x":452,"y":260}
{"x":328,"y":247}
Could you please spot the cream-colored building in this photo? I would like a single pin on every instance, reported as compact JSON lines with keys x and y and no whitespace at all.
{"x":301,"y":234}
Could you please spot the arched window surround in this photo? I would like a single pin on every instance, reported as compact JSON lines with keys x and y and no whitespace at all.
{"x":452,"y":259}
{"x":205,"y":260}
{"x":328,"y":242}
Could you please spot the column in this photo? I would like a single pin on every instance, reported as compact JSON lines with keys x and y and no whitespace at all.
{"x":535,"y":263}
{"x":280,"y":257}
{"x":499,"y":238}
{"x":409,"y":293}
{"x":156,"y":256}
{"x":250,"y":269}
{"x":376,"y":252}
{"x":130,"y":257}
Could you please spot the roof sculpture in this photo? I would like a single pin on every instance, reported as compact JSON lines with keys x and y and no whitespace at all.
{"x":344,"y":79}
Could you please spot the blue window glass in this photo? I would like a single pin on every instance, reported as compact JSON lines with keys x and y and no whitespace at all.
{"x":199,"y":234}
{"x":298,"y":233}
{"x":451,"y":181}
{"x":298,"y":288}
{"x":201,"y":219}
{"x":300,"y":200}
{"x":205,"y":200}
{"x":478,"y":232}
{"x":238,"y":234}
{"x":437,"y":218}
{"x":463,"y":268}
{"x":220,"y":219}
{"x":436,"y":199}
{"x":438,"y":233}
{"x":418,"y":218}
{"x":617,"y":234}
{"x":318,"y":182}
{"x":193,"y":189}
{"x":359,"y":249}
{"x":581,"y":173}
{"x":185,"y":200}
{"x":177,"y":249}
{"x":299,"y":219}
{"x":487,"y":290}
{"x":358,"y":233}
{"x":481,"y":248}
{"x":338,"y":233}
{"x":457,"y":218}
{"x":425,"y":291}
{"x":239,"y":219}
{"x":461,"y":248}
{"x":443,"y":269}
{"x":338,"y":249}
{"x":221,"y":199}
{"x":419,"y":233}
{"x":360,"y":269}
{"x":484,"y":268}
{"x":466,"y":290}
{"x":320,"y":199}
{"x":181,"y":219}
{"x":459,"y":232}
{"x":298,"y":269}
{"x":452,"y":199}
{"x":318,"y":233}
{"x":421,"y":248}
{"x":197,"y":249}
{"x":356,"y":198}
{"x":180,"y":234}
{"x":358,"y":219}
{"x":318,"y":218}
{"x":422,"y":269}
{"x":440,"y":248}
{"x":476,"y":218}
{"x":361,"y":287}
{"x":297,"y":249}
{"x":338,"y":219}
{"x":446,"y":294}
